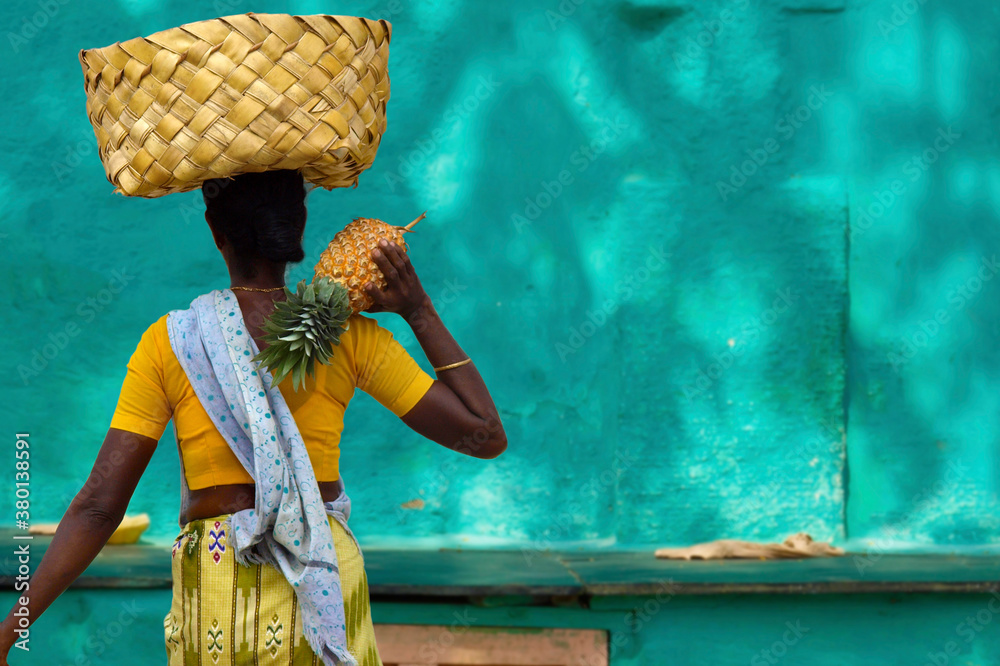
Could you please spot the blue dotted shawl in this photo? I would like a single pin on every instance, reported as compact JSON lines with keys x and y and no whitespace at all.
{"x":288,"y":526}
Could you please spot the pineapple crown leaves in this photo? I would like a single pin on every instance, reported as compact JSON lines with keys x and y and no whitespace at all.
{"x":303,"y":329}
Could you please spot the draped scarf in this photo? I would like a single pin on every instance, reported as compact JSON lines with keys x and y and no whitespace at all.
{"x":288,"y":527}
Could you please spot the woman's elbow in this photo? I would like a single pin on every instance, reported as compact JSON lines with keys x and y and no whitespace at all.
{"x":486,"y":440}
{"x":97,"y":516}
{"x":494,"y":447}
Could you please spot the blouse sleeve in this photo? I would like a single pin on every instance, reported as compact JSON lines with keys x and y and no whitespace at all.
{"x":143,"y":406}
{"x":385,"y":370}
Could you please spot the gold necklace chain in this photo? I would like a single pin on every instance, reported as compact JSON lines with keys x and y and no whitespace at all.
{"x":256,"y":288}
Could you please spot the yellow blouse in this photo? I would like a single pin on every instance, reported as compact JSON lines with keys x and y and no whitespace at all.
{"x":156,"y":389}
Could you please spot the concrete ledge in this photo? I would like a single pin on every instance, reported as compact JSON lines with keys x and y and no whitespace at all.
{"x":399,"y":574}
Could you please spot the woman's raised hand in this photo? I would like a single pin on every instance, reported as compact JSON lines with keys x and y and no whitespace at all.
{"x":403,"y":293}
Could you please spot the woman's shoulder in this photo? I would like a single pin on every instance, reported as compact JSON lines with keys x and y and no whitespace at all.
{"x":365,"y":330}
{"x":155,"y":336}
{"x":359,"y":326}
{"x":159,"y":327}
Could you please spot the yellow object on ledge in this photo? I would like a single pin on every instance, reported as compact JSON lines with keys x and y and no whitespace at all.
{"x":128,"y":531}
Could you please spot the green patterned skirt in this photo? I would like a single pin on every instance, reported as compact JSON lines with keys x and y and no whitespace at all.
{"x":225,"y":614}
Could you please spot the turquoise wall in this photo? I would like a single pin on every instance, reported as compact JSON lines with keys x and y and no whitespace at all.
{"x":922,"y":361}
{"x":687,"y":244}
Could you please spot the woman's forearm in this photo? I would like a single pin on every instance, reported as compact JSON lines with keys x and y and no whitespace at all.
{"x":441,"y":349}
{"x":81,"y":535}
{"x":89,"y":522}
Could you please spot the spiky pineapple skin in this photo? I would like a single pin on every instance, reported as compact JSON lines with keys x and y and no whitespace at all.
{"x":348,"y":261}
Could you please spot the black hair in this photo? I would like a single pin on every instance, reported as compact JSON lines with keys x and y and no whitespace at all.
{"x":262,"y":214}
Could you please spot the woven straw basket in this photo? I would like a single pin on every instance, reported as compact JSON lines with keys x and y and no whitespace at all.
{"x":251,"y":92}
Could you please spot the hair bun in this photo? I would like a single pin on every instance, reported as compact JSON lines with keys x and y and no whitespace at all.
{"x":275,"y":236}
{"x":262,"y":214}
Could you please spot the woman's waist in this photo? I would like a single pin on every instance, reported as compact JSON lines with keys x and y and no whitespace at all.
{"x":207,"y":454}
{"x":219,"y":501}
{"x":215,"y":465}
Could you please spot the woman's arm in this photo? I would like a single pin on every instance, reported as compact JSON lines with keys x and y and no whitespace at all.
{"x":89,"y":522}
{"x":457,"y":411}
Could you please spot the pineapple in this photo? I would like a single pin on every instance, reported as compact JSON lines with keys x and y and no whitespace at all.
{"x":348,"y":258}
{"x":311,"y":319}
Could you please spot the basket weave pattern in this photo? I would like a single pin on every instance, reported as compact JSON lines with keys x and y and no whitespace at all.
{"x":236,"y":94}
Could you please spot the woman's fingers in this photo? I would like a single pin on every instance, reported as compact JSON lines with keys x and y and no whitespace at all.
{"x":386,"y":266}
{"x":396,"y":256}
{"x":406,"y":267}
{"x":376,"y":295}
{"x":401,"y":284}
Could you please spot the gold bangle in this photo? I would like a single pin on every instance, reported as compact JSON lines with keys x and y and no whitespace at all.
{"x":453,"y":365}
